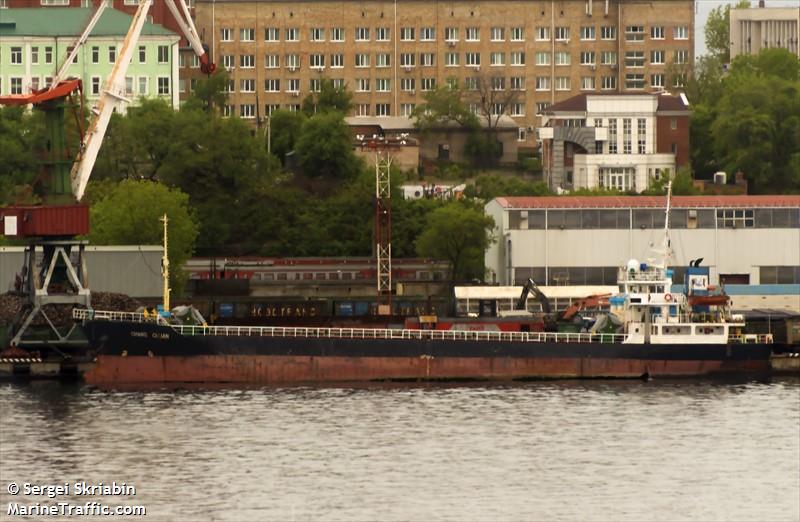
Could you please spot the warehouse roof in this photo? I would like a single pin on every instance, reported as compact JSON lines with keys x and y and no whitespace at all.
{"x":71,"y":21}
{"x":647,"y":201}
{"x":666,"y":102}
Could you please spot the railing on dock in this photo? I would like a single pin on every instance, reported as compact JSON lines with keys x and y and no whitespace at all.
{"x":82,"y":314}
{"x":751,"y":339}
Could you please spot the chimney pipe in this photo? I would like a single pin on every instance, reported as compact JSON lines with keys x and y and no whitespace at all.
{"x":761,"y":3}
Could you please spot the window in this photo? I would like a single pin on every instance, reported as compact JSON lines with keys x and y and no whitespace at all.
{"x":35,"y":55}
{"x":634,"y":59}
{"x":143,"y":90}
{"x":427,"y":34}
{"x":272,"y":85}
{"x":163,"y":85}
{"x":473,"y":59}
{"x":472,"y":34}
{"x":562,"y":58}
{"x":657,"y":81}
{"x":35,"y":83}
{"x":407,"y":34}
{"x":383,"y":85}
{"x":383,"y":109}
{"x":408,"y":59}
{"x":337,"y":34}
{"x":657,"y":32}
{"x":247,"y":85}
{"x":95,"y":85}
{"x":608,"y":58}
{"x":680,"y":32}
{"x":337,"y":61}
{"x":562,"y":83}
{"x":517,"y":83}
{"x":163,"y":54}
{"x":362,"y":60}
{"x":226,"y":34}
{"x":471,"y":83}
{"x":562,"y":34}
{"x":427,"y":59}
{"x":428,"y":84}
{"x":587,"y":33}
{"x":16,"y":55}
{"x":362,"y":109}
{"x":407,"y":84}
{"x":517,"y":109}
{"x":498,"y":34}
{"x":497,"y":109}
{"x":230,"y":86}
{"x":227,"y":61}
{"x":181,"y":61}
{"x":16,"y":85}
{"x":382,"y":34}
{"x":657,"y":57}
{"x":634,"y":33}
{"x":522,"y":134}
{"x":608,"y":32}
{"x":451,"y":59}
{"x":247,"y":111}
{"x":735,"y":218}
{"x":95,"y":54}
{"x":679,"y":80}
{"x":272,"y":61}
{"x":609,"y":83}
{"x":292,"y":34}
{"x":112,"y":53}
{"x":542,"y":83}
{"x":48,"y":55}
{"x":641,"y":128}
{"x":634,"y":81}
{"x":587,"y":83}
{"x":195,"y":61}
{"x":292,"y":61}
{"x":271,"y":34}
{"x":541,"y":107}
{"x":247,"y":61}
{"x":617,"y":178}
{"x":271,"y":108}
{"x":315,"y":85}
{"x":498,"y":83}
{"x":383,"y":60}
{"x":362,"y":84}
{"x":497,"y":58}
{"x":406,"y":109}
{"x":517,"y":58}
{"x":542,"y":33}
{"x":681,"y":56}
{"x":142,"y":54}
{"x":227,"y":110}
{"x":626,"y":136}
{"x":316,"y":34}
{"x":517,"y":34}
{"x":542,"y":58}
{"x":451,"y":34}
{"x":294,"y":85}
{"x":587,"y":58}
{"x":247,"y":35}
{"x":316,"y":61}
{"x":612,"y":136}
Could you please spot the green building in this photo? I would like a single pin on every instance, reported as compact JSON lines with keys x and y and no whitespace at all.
{"x":35,"y":42}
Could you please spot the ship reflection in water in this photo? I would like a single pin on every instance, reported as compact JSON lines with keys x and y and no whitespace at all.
{"x":594,"y":450}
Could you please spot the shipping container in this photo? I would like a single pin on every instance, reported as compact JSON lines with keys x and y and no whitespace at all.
{"x":45,"y":221}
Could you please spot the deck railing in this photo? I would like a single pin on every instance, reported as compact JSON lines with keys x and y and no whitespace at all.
{"x":379,"y":333}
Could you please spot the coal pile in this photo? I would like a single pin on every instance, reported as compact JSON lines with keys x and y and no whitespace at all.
{"x":11,"y":304}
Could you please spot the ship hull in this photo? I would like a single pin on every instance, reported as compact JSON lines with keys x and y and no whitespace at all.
{"x":149,"y":353}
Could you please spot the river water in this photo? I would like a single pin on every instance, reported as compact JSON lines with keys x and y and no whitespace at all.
{"x":572,"y":450}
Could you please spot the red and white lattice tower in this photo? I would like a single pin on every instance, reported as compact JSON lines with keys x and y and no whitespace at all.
{"x":383,"y":216}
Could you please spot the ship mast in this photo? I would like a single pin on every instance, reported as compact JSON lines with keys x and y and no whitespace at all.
{"x":165,"y":265}
{"x":667,"y":244}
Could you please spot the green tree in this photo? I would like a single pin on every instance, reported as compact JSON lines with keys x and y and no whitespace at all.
{"x":459,"y":233}
{"x":21,"y":135}
{"x":329,"y":98}
{"x":682,"y":184}
{"x":130,"y":214}
{"x":444,"y":105}
{"x":489,"y":186}
{"x":209,"y":94}
{"x":325,"y":148}
{"x":285,"y":129}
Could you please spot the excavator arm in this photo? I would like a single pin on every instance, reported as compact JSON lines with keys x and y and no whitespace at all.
{"x":528,"y":287}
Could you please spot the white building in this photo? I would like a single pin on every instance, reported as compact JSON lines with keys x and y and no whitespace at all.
{"x":747,"y":240}
{"x":754,"y":29}
{"x":614,"y":141}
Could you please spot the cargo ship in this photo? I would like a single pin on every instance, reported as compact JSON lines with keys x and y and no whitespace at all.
{"x":649,"y":332}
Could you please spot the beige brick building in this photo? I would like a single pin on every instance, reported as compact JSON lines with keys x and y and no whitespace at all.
{"x":529,"y":53}
{"x":754,"y":29}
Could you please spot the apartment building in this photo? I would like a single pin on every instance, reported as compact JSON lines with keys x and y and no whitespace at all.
{"x":529,"y":53}
{"x":614,"y":141}
{"x":754,"y":29}
{"x":33,"y":46}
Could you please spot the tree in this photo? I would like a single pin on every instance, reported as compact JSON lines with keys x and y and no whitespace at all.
{"x":717,"y":30}
{"x":325,"y":148}
{"x":209,"y":94}
{"x":443,"y":106}
{"x":488,"y":186}
{"x":329,"y":98}
{"x":682,"y":184}
{"x":20,"y":132}
{"x":459,"y":233}
{"x":130,"y":214}
{"x":493,"y":99}
{"x":285,"y":129}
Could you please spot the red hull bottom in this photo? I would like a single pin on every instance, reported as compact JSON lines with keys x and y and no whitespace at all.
{"x":112,"y":369}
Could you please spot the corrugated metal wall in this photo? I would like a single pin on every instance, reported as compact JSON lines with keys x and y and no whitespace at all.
{"x":134,"y":270}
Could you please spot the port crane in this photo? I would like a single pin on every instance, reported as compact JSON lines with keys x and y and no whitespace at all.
{"x":52,"y":228}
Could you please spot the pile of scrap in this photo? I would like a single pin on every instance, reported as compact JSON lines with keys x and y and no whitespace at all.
{"x":11,"y":305}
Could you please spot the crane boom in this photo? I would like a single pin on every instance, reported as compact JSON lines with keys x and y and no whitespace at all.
{"x":184,"y":21}
{"x":62,"y":71}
